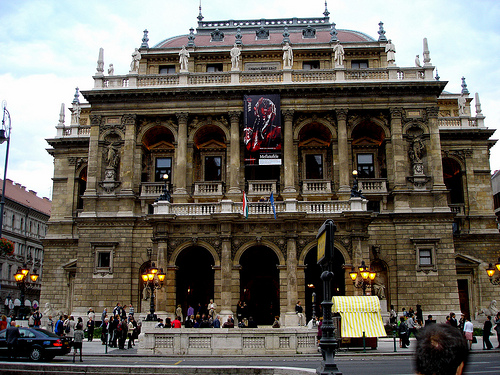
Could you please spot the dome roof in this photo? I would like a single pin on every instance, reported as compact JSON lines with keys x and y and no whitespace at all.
{"x":264,"y":32}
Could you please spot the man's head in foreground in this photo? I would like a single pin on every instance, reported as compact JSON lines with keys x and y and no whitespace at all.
{"x":441,"y":350}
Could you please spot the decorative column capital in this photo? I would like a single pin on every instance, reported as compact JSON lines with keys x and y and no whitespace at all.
{"x":288,"y":114}
{"x":234,"y":116}
{"x":129,"y":119}
{"x":341,"y":114}
{"x":396,"y":112}
{"x":95,"y":120}
{"x":432,"y":112}
{"x":182,"y":117}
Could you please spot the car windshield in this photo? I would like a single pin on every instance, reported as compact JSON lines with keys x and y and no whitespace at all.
{"x":45,"y":332}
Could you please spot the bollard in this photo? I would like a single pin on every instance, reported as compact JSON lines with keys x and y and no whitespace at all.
{"x":364,"y":342}
{"x":394,"y":336}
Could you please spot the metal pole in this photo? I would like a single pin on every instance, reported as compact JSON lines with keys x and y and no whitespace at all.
{"x":7,"y":136}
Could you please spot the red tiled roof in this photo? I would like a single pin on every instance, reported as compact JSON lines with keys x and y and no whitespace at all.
{"x":19,"y":194}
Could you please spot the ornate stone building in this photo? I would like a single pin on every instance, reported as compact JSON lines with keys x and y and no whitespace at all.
{"x":283,"y":106}
{"x":25,"y":225}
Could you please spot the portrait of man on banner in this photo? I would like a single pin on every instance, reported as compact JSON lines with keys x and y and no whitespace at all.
{"x":262,"y":130}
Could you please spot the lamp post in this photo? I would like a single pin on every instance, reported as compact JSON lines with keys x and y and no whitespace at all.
{"x":165,"y":196}
{"x":154,"y":280}
{"x":491,"y":272}
{"x":355,"y":192}
{"x":21,"y":276}
{"x":4,"y":136}
{"x":365,"y":279}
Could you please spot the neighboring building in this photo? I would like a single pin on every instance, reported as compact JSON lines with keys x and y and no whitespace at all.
{"x":495,"y":185}
{"x":25,"y":224}
{"x":236,"y":110}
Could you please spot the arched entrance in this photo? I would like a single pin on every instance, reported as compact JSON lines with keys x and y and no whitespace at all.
{"x":259,"y":286}
{"x":315,"y":285}
{"x":194,"y":278}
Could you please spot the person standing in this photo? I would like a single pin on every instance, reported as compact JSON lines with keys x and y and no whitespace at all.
{"x":90,"y":328}
{"x":37,"y":316}
{"x":11,"y":337}
{"x":486,"y":333}
{"x":404,"y":339}
{"x":497,"y":328}
{"x":78,"y":339}
{"x":300,"y":313}
{"x":468,"y":331}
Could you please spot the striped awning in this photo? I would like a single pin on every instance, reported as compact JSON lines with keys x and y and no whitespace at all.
{"x":359,"y":314}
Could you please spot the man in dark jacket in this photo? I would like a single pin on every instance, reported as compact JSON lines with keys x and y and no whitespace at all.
{"x":12,"y":336}
{"x":486,"y":333}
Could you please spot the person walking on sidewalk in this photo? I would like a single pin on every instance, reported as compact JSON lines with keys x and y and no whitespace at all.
{"x":486,"y":333}
{"x":78,"y":339}
{"x":468,"y":331}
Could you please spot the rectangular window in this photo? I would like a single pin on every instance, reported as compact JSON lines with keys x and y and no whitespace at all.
{"x":167,"y":69}
{"x":366,"y":168}
{"x":104,"y":259}
{"x":310,"y":65}
{"x":314,"y":167}
{"x":213,"y":168}
{"x":359,"y":64}
{"x":213,"y":68}
{"x":425,"y":257}
{"x":163,"y":166}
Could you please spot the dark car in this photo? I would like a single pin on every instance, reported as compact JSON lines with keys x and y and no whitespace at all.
{"x":36,"y":343}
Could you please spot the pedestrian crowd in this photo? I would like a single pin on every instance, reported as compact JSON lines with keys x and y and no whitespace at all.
{"x":411,"y":322}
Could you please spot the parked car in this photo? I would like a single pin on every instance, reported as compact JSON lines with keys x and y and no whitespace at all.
{"x":36,"y":344}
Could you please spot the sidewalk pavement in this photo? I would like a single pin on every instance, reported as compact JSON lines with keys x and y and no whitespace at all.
{"x":385,"y":348}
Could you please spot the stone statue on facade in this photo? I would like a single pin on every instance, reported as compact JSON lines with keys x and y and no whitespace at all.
{"x":379,"y":289}
{"x":338,"y":51}
{"x":462,"y":101}
{"x":134,"y":65}
{"x":287,"y":55}
{"x":111,"y":70}
{"x":417,"y":149}
{"x":491,"y":310}
{"x":48,"y":310}
{"x":183,"y":58}
{"x":417,"y":61}
{"x":112,"y":156}
{"x":390,"y":49}
{"x":235,"y":57}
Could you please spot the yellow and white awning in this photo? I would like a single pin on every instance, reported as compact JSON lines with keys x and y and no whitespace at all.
{"x":359,"y":314}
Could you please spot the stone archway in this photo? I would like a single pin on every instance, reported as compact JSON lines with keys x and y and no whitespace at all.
{"x":194,"y":278}
{"x":259,"y":284}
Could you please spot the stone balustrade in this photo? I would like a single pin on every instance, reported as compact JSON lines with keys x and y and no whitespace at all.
{"x":224,"y":341}
{"x":312,"y":187}
{"x":373,"y":185}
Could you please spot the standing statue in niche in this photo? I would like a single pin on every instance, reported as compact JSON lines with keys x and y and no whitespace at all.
{"x":287,"y":55}
{"x":112,"y":156}
{"x":338,"y":55}
{"x":235,"y":57}
{"x":134,"y":65}
{"x":417,"y":150}
{"x":183,"y":58}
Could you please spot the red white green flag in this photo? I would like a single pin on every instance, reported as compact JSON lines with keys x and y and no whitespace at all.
{"x":245,"y":205}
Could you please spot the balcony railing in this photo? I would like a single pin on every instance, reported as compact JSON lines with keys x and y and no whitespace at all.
{"x":316,"y":187}
{"x":208,"y":189}
{"x":373,"y":185}
{"x":257,"y":188}
{"x":458,"y":208}
{"x":151,"y":189}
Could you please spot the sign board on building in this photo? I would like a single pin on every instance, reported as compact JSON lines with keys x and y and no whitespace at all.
{"x":262,"y":129}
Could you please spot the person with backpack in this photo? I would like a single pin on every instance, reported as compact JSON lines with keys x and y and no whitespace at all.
{"x":59,"y":327}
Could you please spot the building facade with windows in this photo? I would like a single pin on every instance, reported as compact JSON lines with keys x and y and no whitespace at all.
{"x":282,"y":110}
{"x":25,"y":225}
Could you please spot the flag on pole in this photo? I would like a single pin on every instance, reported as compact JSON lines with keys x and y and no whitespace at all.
{"x":271,"y":199}
{"x":245,"y":205}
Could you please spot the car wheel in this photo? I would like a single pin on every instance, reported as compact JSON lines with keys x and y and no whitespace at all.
{"x":36,"y":354}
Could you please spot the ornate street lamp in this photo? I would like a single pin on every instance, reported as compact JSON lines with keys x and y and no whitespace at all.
{"x":21,"y":276}
{"x":366,"y":276}
{"x":491,"y":272}
{"x":355,"y":192}
{"x":165,"y":196}
{"x":4,"y":136}
{"x":153,"y":278}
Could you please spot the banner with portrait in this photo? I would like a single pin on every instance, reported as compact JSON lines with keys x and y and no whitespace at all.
{"x":262,"y":130}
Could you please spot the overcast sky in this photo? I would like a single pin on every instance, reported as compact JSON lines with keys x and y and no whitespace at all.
{"x":49,"y":47}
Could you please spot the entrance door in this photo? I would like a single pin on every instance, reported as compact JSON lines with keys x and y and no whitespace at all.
{"x":194,"y":278}
{"x":463,"y":296}
{"x":260,"y":284}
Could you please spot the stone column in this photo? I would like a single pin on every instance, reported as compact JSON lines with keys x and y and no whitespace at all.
{"x":226,"y":277}
{"x":161,"y":294}
{"x":292,"y":293}
{"x":343,"y":157}
{"x":289,"y":160}
{"x":399,"y":161}
{"x":436,"y":163}
{"x":127,"y":167}
{"x":234,"y":158}
{"x":93,"y":162}
{"x":180,"y":191}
